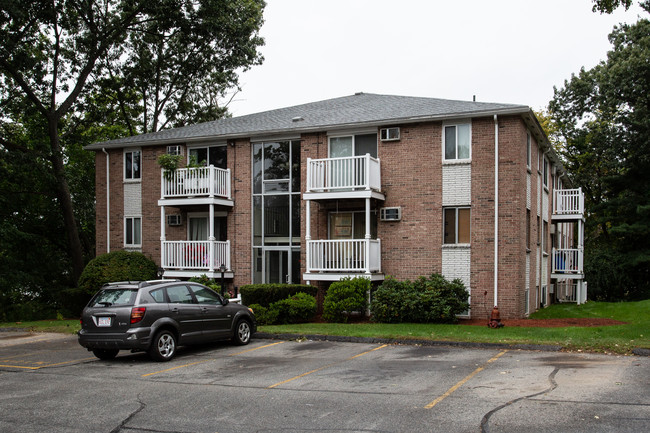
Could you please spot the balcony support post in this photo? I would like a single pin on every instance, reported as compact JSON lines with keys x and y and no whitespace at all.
{"x":163,"y":237}
{"x":308,"y":233}
{"x":211,"y":239}
{"x":367,"y":236}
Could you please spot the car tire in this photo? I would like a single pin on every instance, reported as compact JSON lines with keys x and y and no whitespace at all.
{"x":163,"y":346}
{"x":105,"y":354}
{"x":242,"y":334}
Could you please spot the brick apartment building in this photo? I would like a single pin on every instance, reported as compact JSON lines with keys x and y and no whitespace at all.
{"x":369,"y":185}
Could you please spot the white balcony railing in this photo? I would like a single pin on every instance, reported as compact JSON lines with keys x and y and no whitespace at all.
{"x":569,"y":202}
{"x":196,"y":182}
{"x":203,"y":255}
{"x":568,"y":261}
{"x":343,"y":174}
{"x":354,"y":255}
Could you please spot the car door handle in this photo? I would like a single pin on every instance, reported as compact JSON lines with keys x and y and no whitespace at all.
{"x":174,"y":310}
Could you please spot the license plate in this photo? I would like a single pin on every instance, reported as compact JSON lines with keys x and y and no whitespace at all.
{"x":103,"y":321}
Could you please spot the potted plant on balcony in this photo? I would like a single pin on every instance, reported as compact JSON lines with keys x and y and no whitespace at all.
{"x":169,"y":163}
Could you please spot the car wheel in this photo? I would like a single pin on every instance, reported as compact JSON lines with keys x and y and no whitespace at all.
{"x":242,"y":333}
{"x":163,"y":346}
{"x":105,"y":354}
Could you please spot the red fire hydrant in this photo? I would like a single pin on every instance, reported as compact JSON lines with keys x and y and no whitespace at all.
{"x":495,"y":318}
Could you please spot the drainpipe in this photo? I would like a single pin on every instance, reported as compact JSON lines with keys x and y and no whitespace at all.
{"x":496,"y":210}
{"x":108,"y":203}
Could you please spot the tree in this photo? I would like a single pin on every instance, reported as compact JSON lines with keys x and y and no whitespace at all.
{"x":608,"y":6}
{"x":604,"y":115}
{"x":153,"y":61}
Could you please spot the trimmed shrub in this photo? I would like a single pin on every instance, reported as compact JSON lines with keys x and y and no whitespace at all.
{"x":116,"y":266}
{"x":344,"y":297}
{"x":298,"y":308}
{"x":427,"y":300}
{"x":264,"y":315}
{"x":208,"y":282}
{"x":267,"y":294}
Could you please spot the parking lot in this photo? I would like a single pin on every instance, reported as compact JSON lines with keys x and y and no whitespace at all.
{"x":49,"y":383}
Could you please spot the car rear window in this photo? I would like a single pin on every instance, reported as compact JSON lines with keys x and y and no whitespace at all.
{"x":111,"y":297}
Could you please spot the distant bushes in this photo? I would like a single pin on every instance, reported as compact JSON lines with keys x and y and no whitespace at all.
{"x":430,"y":299}
{"x":344,"y":297}
{"x":298,"y":308}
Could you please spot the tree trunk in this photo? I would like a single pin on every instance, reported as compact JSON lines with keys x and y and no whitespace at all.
{"x":65,"y":201}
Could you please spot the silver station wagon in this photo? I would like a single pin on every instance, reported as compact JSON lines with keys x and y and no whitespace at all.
{"x":159,"y":316}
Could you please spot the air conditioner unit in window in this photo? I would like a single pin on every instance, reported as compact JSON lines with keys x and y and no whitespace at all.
{"x":389,"y":134}
{"x":390,"y":213}
{"x":174,"y":150}
{"x":173,"y":220}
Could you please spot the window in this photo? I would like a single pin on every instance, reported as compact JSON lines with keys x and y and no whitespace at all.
{"x":132,"y":231}
{"x":351,"y":225}
{"x":456,"y":224}
{"x":545,"y":172}
{"x":207,"y":156}
{"x":179,"y":295}
{"x":132,"y":164}
{"x":528,"y":229}
{"x":528,"y":150}
{"x":457,"y":142}
{"x":205,"y":296}
{"x":158,"y":295}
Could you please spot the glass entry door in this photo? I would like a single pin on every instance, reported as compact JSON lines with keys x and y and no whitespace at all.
{"x":282,"y":265}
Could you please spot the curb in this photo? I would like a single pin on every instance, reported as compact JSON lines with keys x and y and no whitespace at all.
{"x":412,"y":342}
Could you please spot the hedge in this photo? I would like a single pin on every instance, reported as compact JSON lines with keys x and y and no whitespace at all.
{"x":267,"y":294}
{"x":344,"y":297}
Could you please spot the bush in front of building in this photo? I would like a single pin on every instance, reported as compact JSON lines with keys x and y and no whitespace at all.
{"x":267,"y":294}
{"x":116,"y":266}
{"x":345,"y":297}
{"x":431,"y":299}
{"x":297,"y":308}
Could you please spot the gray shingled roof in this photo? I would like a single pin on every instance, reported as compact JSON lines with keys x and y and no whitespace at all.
{"x":361,"y":109}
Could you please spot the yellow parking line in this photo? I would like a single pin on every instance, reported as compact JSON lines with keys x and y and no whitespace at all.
{"x":323,"y":368}
{"x":459,"y":384}
{"x":46,"y":365}
{"x":4,"y":358}
{"x":255,"y":348}
{"x":208,"y":360}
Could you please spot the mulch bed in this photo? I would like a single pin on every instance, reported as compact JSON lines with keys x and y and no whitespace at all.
{"x":546,"y":323}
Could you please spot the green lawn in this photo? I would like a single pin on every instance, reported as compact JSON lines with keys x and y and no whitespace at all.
{"x":608,"y":339}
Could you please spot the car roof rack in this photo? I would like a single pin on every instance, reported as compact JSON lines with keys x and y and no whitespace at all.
{"x":154,"y":282}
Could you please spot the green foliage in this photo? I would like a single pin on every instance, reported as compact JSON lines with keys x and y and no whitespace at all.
{"x":169,"y":163}
{"x":208,"y":282}
{"x":116,"y":266}
{"x":426,"y":300}
{"x":265,"y":315}
{"x":604,"y":116}
{"x":266,"y":294}
{"x":298,"y":308}
{"x":344,"y":297}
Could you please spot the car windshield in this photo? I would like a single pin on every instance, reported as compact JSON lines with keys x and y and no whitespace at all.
{"x":110,"y":297}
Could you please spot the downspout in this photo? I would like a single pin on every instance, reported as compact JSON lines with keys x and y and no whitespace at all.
{"x":108,"y":203}
{"x":496,"y":211}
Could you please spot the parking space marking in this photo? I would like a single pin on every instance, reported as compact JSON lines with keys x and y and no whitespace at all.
{"x":462,"y":382}
{"x":208,"y":360}
{"x":324,"y":367}
{"x":43,"y":366}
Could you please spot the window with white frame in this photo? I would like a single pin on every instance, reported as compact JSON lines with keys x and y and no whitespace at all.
{"x":528,"y":150}
{"x":132,"y":231}
{"x":545,"y":172}
{"x":456,"y":225}
{"x":132,"y":168}
{"x":456,"y":142}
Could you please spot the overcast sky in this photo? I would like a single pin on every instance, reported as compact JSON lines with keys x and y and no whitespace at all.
{"x":509,"y":51}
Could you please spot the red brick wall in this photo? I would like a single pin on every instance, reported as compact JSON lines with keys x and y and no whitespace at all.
{"x":116,"y":200}
{"x":240,"y":218}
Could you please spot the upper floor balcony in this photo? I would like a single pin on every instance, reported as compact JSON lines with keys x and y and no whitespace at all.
{"x":347,"y":177}
{"x":568,"y":204}
{"x":194,"y":258}
{"x":201,"y":185}
{"x":567,"y":263}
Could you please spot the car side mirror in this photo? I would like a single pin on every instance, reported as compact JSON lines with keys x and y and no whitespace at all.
{"x":225,"y":301}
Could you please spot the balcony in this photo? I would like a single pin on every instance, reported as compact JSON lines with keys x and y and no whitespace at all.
{"x":331,"y":260}
{"x":194,"y":258}
{"x":348,"y":177}
{"x":568,"y":204}
{"x":568,"y":263}
{"x":202,"y":185}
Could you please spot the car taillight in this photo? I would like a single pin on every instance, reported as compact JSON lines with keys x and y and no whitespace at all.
{"x":137,"y":313}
